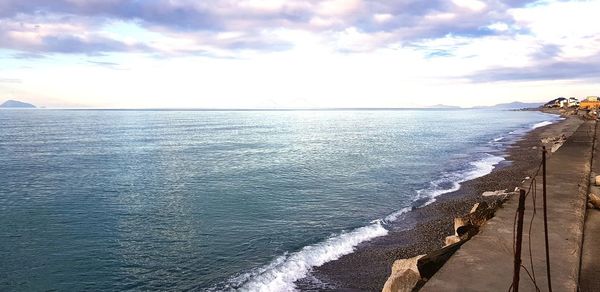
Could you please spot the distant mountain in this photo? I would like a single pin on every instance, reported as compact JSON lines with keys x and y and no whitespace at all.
{"x":16,"y":104}
{"x":442,"y":106}
{"x":515,"y":105}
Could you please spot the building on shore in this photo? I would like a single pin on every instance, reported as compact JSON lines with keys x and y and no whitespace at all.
{"x":573,"y":102}
{"x":557,"y":102}
{"x":590,"y":103}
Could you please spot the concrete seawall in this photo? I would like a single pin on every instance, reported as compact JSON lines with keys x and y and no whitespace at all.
{"x":589,"y":275}
{"x":485,"y":263}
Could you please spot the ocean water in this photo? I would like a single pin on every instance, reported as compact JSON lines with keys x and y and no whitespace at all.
{"x":221,"y":200}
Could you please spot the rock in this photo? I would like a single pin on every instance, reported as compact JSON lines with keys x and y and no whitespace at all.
{"x":467,"y":231}
{"x":597,"y":180}
{"x":479,"y":207}
{"x":405,"y":275}
{"x":493,"y":193}
{"x":452,"y":239}
{"x":467,"y":226}
{"x":458,"y":223}
{"x":433,"y":261}
{"x":594,"y":200}
{"x":474,"y":208}
{"x":403,"y":281}
{"x":557,"y":139}
{"x":589,"y":205}
{"x":555,"y":147}
{"x":556,"y":142}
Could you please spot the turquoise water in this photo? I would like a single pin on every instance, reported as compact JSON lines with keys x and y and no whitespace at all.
{"x":221,"y":200}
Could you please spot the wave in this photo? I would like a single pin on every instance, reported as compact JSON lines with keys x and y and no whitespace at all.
{"x":541,"y":124}
{"x":483,"y":166}
{"x":394,"y":216}
{"x":451,"y":182}
{"x":281,"y":273}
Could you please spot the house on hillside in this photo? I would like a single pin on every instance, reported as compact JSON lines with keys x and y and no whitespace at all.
{"x":590,"y":103}
{"x":557,"y":102}
{"x":573,"y":102}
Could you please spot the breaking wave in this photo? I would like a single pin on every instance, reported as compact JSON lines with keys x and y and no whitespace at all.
{"x":451,"y":182}
{"x":281,"y":273}
{"x":541,"y":124}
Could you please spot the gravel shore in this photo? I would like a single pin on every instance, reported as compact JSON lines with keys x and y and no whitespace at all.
{"x":423,"y":229}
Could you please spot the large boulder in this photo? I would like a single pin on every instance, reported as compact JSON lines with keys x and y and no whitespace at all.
{"x":594,"y":200}
{"x":404,"y":277}
{"x":451,"y":239}
{"x":470,"y":223}
{"x":408,"y":273}
{"x":494,"y":193}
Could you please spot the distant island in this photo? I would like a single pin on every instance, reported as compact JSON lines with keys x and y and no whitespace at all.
{"x":443,"y":106}
{"x":509,"y":105}
{"x":515,"y":105}
{"x":16,"y":104}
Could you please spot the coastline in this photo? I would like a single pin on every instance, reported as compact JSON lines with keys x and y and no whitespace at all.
{"x":423,"y":229}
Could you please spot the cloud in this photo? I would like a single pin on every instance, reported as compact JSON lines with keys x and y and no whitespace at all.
{"x":108,"y":65}
{"x":10,"y":80}
{"x":547,"y":51}
{"x":23,"y":55}
{"x":58,"y":35}
{"x":559,"y":45}
{"x":201,"y":22}
{"x":546,"y":70}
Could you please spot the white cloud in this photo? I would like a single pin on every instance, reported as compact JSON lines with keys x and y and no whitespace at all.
{"x":382,"y":17}
{"x":470,"y":4}
{"x":338,"y":7}
{"x":570,"y":25}
{"x":498,"y":26}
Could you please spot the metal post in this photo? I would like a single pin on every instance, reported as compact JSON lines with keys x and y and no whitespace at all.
{"x":519,"y":241}
{"x":546,"y":219}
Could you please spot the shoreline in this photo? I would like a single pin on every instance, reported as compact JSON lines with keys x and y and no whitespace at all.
{"x":424,"y":229}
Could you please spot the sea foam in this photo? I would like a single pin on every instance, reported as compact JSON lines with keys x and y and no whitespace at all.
{"x":452,"y":182}
{"x":281,"y":273}
{"x":541,"y":124}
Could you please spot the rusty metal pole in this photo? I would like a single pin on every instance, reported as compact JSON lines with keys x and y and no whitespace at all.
{"x":519,"y":241}
{"x":546,"y":219}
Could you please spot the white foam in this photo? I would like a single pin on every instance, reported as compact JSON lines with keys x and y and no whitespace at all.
{"x":483,"y":167}
{"x":480,"y":168}
{"x":541,"y":124}
{"x":498,"y":139}
{"x":394,"y":216}
{"x":281,"y":273}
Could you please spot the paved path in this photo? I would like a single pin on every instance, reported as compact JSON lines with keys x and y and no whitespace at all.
{"x":485,"y":263}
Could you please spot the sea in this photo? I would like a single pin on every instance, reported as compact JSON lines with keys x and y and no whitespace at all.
{"x":163,"y":200}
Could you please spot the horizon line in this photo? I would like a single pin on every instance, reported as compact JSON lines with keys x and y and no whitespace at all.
{"x":258,"y":109}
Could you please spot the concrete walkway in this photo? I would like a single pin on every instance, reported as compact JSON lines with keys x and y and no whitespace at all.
{"x":485,"y":263}
{"x":589,"y":277}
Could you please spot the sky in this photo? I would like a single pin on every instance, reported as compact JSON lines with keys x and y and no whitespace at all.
{"x":296,"y":53}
